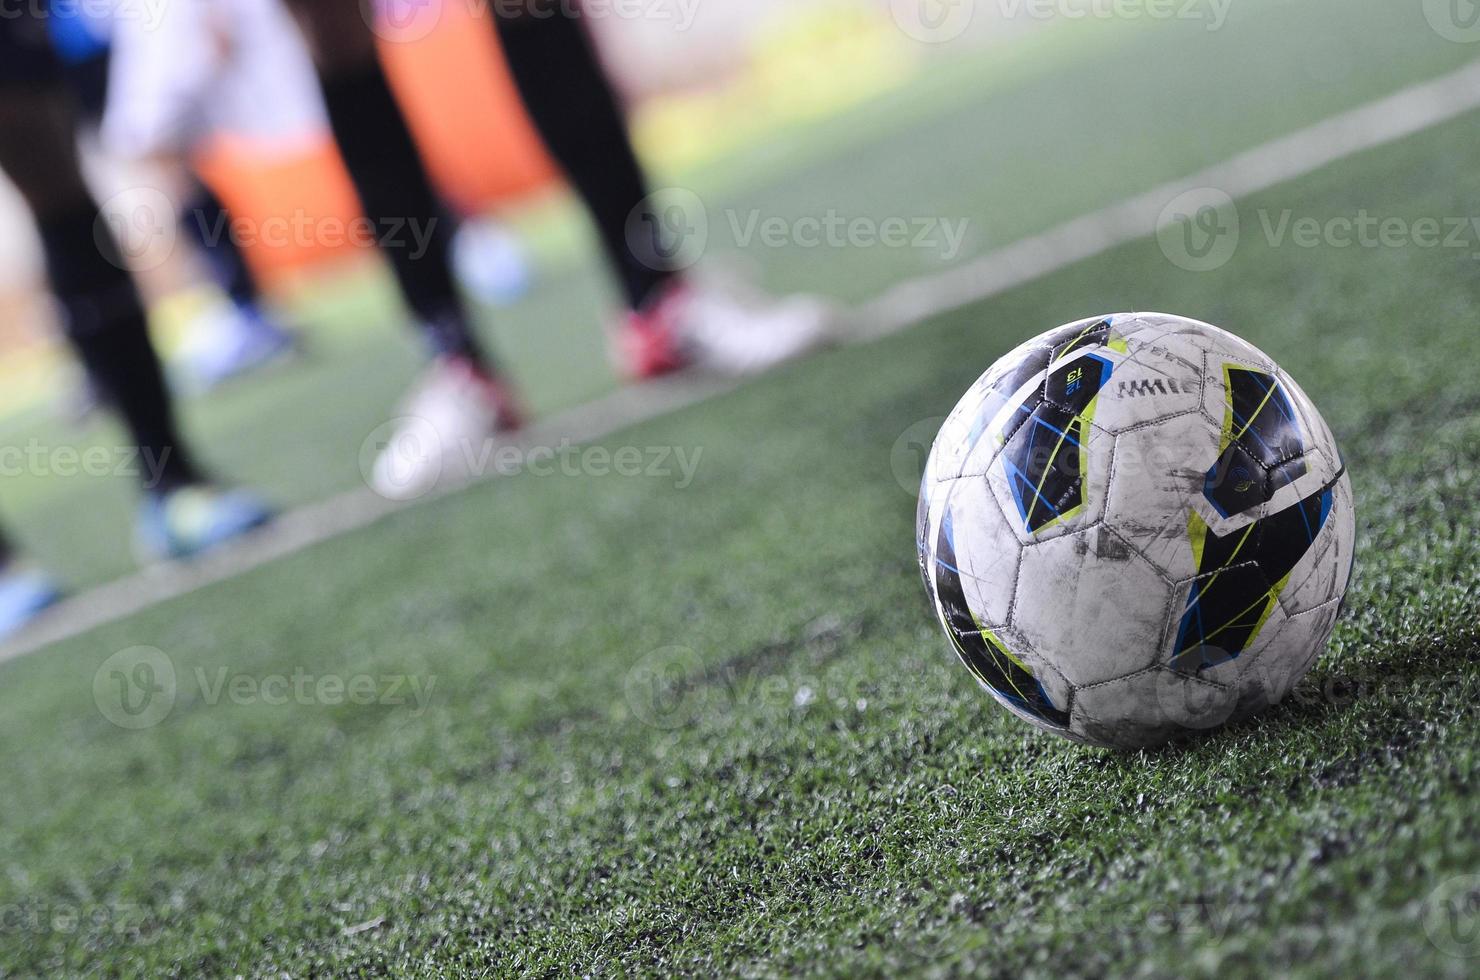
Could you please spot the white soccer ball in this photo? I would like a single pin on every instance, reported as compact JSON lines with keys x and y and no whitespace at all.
{"x":1135,"y":526}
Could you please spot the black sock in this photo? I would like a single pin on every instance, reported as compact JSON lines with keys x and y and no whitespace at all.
{"x":208,"y":225}
{"x":395,"y":190}
{"x":573,"y":106}
{"x":105,"y":322}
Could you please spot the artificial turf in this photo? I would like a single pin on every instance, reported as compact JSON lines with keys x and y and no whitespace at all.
{"x":712,"y":728}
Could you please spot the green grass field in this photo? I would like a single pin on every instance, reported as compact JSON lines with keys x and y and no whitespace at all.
{"x":713,"y":728}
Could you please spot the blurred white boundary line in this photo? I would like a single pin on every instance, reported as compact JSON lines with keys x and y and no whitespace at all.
{"x":1385,"y":121}
{"x":307,"y":526}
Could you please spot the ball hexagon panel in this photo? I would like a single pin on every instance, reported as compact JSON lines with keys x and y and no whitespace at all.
{"x":970,"y":438}
{"x":1157,"y":377}
{"x":1091,"y":606}
{"x":1261,"y":443}
{"x":1007,"y":669}
{"x":1324,"y":572}
{"x":1318,"y":432}
{"x":1155,"y":481}
{"x":1149,"y":707}
{"x":1051,"y":471}
{"x":1241,"y":575}
{"x":1206,"y":337}
{"x":1268,"y":454}
{"x":1049,"y":484}
{"x":1027,"y":426}
{"x":992,"y":653}
{"x":956,"y":440}
{"x":974,"y":546}
{"x":1293,"y":649}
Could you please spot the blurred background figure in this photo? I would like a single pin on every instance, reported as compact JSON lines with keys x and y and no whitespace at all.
{"x":228,"y":113}
{"x":668,"y":324}
{"x":234,"y":331}
{"x":181,"y":513}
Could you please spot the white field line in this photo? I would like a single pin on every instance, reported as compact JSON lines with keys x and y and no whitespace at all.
{"x":1387,"y":120}
{"x":1377,"y":123}
{"x":307,"y":526}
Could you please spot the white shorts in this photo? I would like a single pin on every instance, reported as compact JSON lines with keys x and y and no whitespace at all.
{"x":203,"y":67}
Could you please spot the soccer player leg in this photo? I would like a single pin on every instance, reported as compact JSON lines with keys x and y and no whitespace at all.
{"x":572,"y":103}
{"x":26,"y":66}
{"x":461,"y":403}
{"x":669,"y":324}
{"x":236,"y":334}
{"x":105,"y":322}
{"x":171,"y":86}
{"x":386,"y":167}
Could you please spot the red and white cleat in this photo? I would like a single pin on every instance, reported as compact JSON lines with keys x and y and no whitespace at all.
{"x":708,"y":329}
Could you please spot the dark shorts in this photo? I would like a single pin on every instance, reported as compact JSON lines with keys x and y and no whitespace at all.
{"x":26,"y":55}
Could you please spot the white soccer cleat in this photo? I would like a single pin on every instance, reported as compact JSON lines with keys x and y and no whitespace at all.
{"x":712,"y":330}
{"x":445,"y":431}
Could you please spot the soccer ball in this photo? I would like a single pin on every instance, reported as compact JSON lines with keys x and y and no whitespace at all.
{"x":1135,"y":526}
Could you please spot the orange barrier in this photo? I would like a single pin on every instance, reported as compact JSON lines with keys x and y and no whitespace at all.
{"x":462,"y":107}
